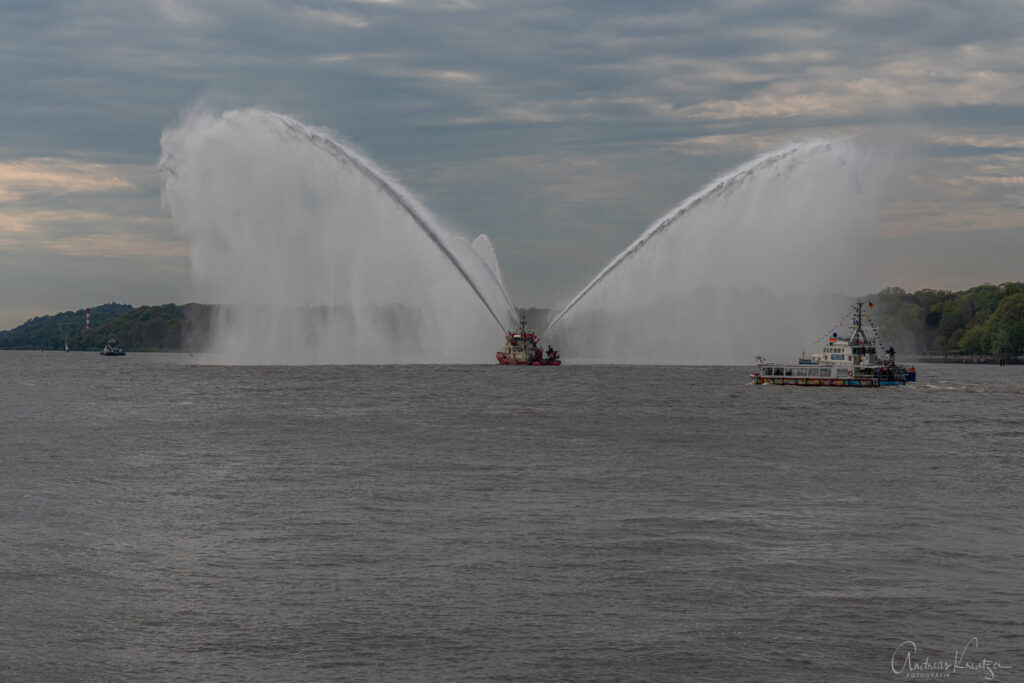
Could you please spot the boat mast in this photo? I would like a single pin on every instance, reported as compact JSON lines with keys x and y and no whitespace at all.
{"x":858,"y":333}
{"x":522,"y":332}
{"x":859,"y":341}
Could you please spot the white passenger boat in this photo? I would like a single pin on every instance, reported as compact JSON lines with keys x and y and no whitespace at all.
{"x":852,"y":361}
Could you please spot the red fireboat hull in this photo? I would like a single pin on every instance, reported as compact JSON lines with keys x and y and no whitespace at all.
{"x":511,"y":361}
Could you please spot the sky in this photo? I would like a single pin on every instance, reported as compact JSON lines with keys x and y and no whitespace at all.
{"x":560,"y":128}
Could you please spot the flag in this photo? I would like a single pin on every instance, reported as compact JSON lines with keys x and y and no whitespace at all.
{"x":870,"y":305}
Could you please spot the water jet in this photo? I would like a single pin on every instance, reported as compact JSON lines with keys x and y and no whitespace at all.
{"x":317,"y":255}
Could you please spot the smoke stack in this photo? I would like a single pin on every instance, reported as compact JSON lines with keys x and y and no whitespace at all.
{"x":87,"y":311}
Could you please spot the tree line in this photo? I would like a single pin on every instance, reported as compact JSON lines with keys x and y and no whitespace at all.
{"x":987,"y":320}
{"x":147,"y":328}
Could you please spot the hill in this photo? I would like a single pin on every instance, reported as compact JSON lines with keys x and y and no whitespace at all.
{"x":987,"y":320}
{"x":147,"y":328}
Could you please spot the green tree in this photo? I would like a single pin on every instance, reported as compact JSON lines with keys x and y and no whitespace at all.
{"x":1006,"y":326}
{"x":153,"y":332}
{"x":1002,"y":345}
{"x":973,"y":341}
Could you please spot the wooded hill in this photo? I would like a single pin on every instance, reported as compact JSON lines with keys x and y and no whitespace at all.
{"x":147,"y":328}
{"x":987,"y":320}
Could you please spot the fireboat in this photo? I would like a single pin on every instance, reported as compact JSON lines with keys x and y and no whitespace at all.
{"x":523,"y":348}
{"x":844,"y":362}
{"x":112,"y":348}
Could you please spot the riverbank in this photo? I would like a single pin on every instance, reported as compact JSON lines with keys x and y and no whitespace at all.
{"x":968,"y":360}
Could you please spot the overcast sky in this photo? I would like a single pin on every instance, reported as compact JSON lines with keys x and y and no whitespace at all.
{"x":559,"y":128}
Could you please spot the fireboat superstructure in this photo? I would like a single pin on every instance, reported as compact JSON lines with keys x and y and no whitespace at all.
{"x":523,"y":348}
{"x":843,"y":362}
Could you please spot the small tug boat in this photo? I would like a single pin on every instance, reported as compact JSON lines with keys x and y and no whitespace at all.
{"x":522,"y":348}
{"x":844,"y":362}
{"x":112,"y":348}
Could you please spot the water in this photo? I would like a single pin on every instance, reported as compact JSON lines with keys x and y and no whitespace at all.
{"x":753,"y":264}
{"x":323,"y":257}
{"x":166,"y":520}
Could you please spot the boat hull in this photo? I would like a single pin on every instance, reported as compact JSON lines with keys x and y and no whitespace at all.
{"x":506,"y":360}
{"x":829,"y":381}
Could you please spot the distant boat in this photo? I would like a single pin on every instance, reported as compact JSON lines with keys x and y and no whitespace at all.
{"x":844,"y":362}
{"x":112,"y":348}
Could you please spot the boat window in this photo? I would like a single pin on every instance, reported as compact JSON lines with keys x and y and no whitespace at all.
{"x":778,"y":371}
{"x":801,"y":372}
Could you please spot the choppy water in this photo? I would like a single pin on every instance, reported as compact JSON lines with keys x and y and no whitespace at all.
{"x":168,"y":521}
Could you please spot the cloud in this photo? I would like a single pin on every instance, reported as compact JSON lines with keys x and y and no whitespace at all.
{"x":29,"y":223}
{"x":75,"y":208}
{"x":332,"y":18}
{"x":980,"y":140}
{"x":564,"y":106}
{"x":452,"y":76}
{"x":117,"y":246}
{"x":178,"y":12}
{"x":47,"y":176}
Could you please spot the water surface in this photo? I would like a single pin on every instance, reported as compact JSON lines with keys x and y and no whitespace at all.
{"x":167,"y":520}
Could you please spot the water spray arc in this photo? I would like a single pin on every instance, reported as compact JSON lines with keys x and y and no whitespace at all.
{"x":314,"y":255}
{"x":406,"y":203}
{"x":747,"y":265}
{"x":712,"y":191}
{"x":318,"y":257}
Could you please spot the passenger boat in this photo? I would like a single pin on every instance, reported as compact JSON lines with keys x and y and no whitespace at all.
{"x":844,"y":362}
{"x":523,"y":348}
{"x":112,"y":348}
